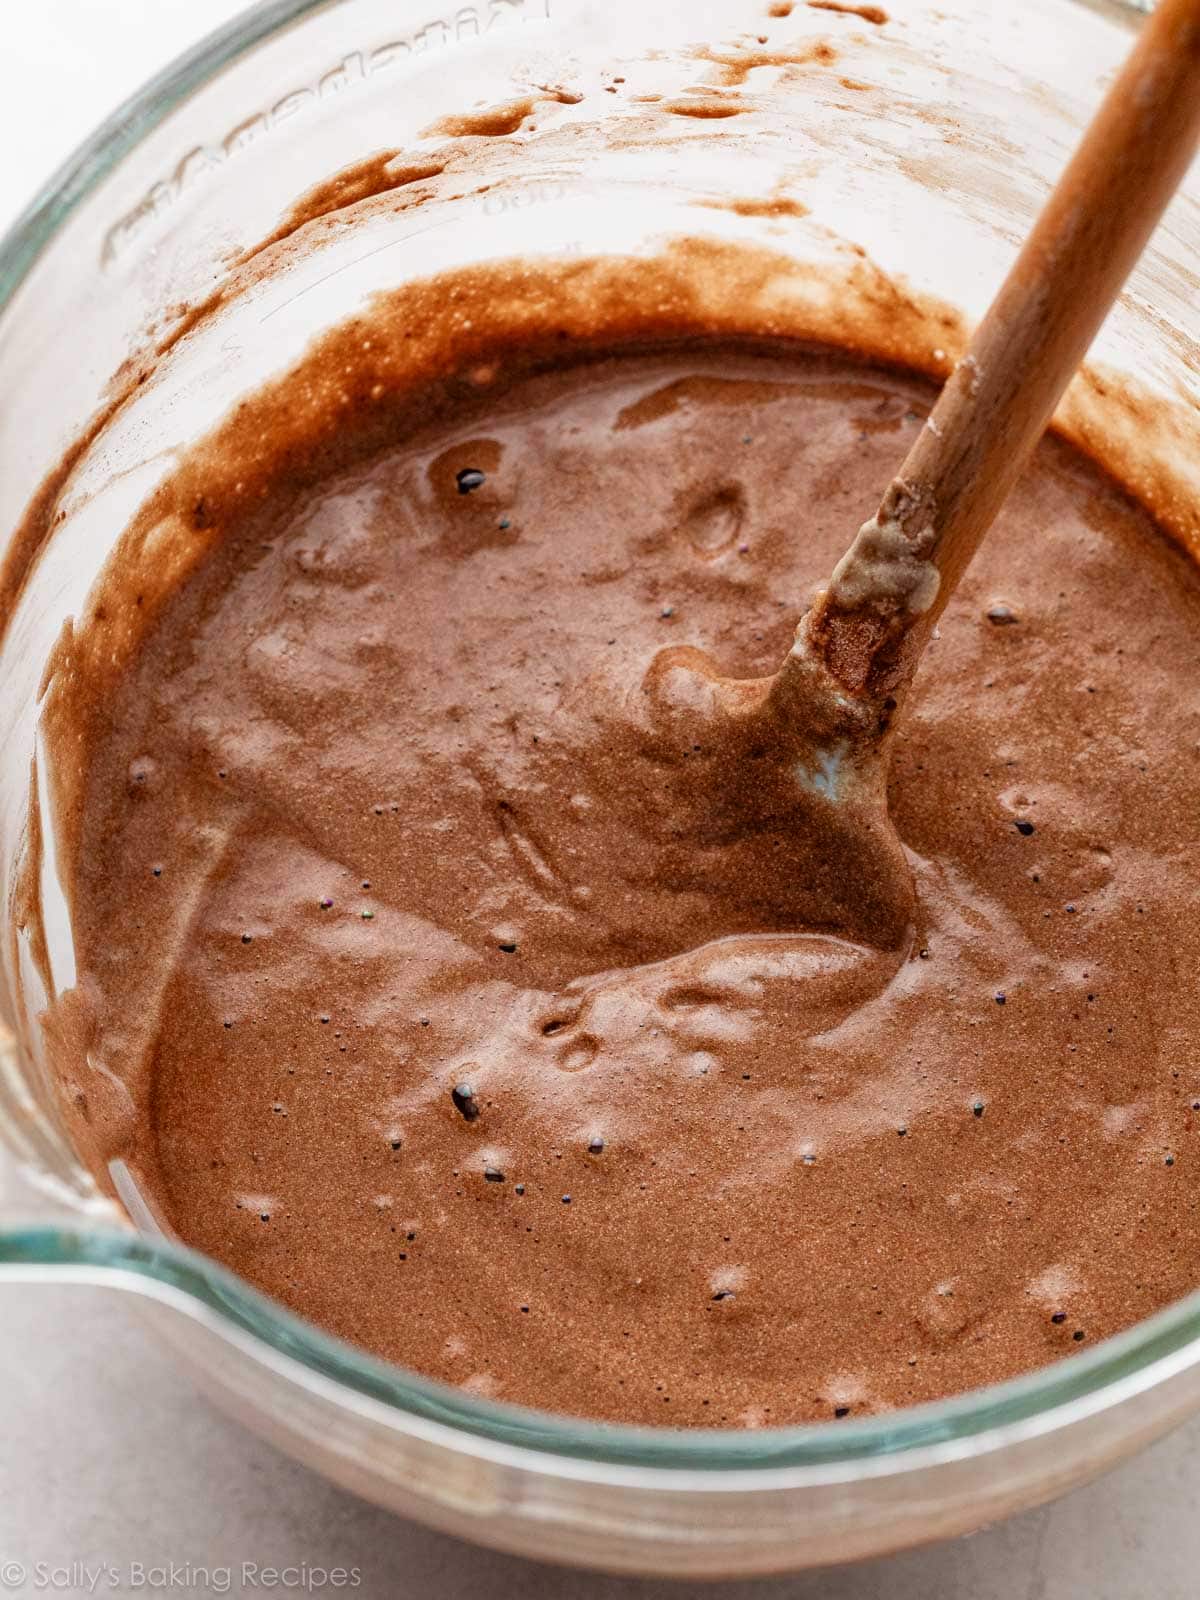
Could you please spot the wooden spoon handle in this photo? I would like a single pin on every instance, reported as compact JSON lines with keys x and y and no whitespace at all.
{"x":997,"y":402}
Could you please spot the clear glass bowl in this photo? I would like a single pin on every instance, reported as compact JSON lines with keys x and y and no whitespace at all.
{"x":919,"y":157}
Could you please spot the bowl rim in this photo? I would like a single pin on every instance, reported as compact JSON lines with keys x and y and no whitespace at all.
{"x":1097,"y":1378}
{"x":1108,"y":1374}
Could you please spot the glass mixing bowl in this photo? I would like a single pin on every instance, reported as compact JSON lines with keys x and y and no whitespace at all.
{"x":910,"y":155}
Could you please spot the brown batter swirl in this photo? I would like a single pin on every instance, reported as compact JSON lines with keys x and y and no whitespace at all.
{"x":482,"y":1020}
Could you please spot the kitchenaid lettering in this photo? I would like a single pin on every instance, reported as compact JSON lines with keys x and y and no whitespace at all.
{"x":465,"y":22}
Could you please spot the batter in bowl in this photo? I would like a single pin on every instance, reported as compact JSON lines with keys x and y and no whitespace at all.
{"x":444,"y":1011}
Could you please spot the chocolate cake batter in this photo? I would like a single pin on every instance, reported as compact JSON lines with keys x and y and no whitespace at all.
{"x":478,"y":1016}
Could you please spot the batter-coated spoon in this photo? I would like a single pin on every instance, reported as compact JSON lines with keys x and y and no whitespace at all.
{"x":857,"y":648}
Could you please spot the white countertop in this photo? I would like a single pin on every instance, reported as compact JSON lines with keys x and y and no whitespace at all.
{"x":109,"y":1457}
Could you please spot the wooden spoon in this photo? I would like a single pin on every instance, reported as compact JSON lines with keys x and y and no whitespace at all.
{"x":833,"y":702}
